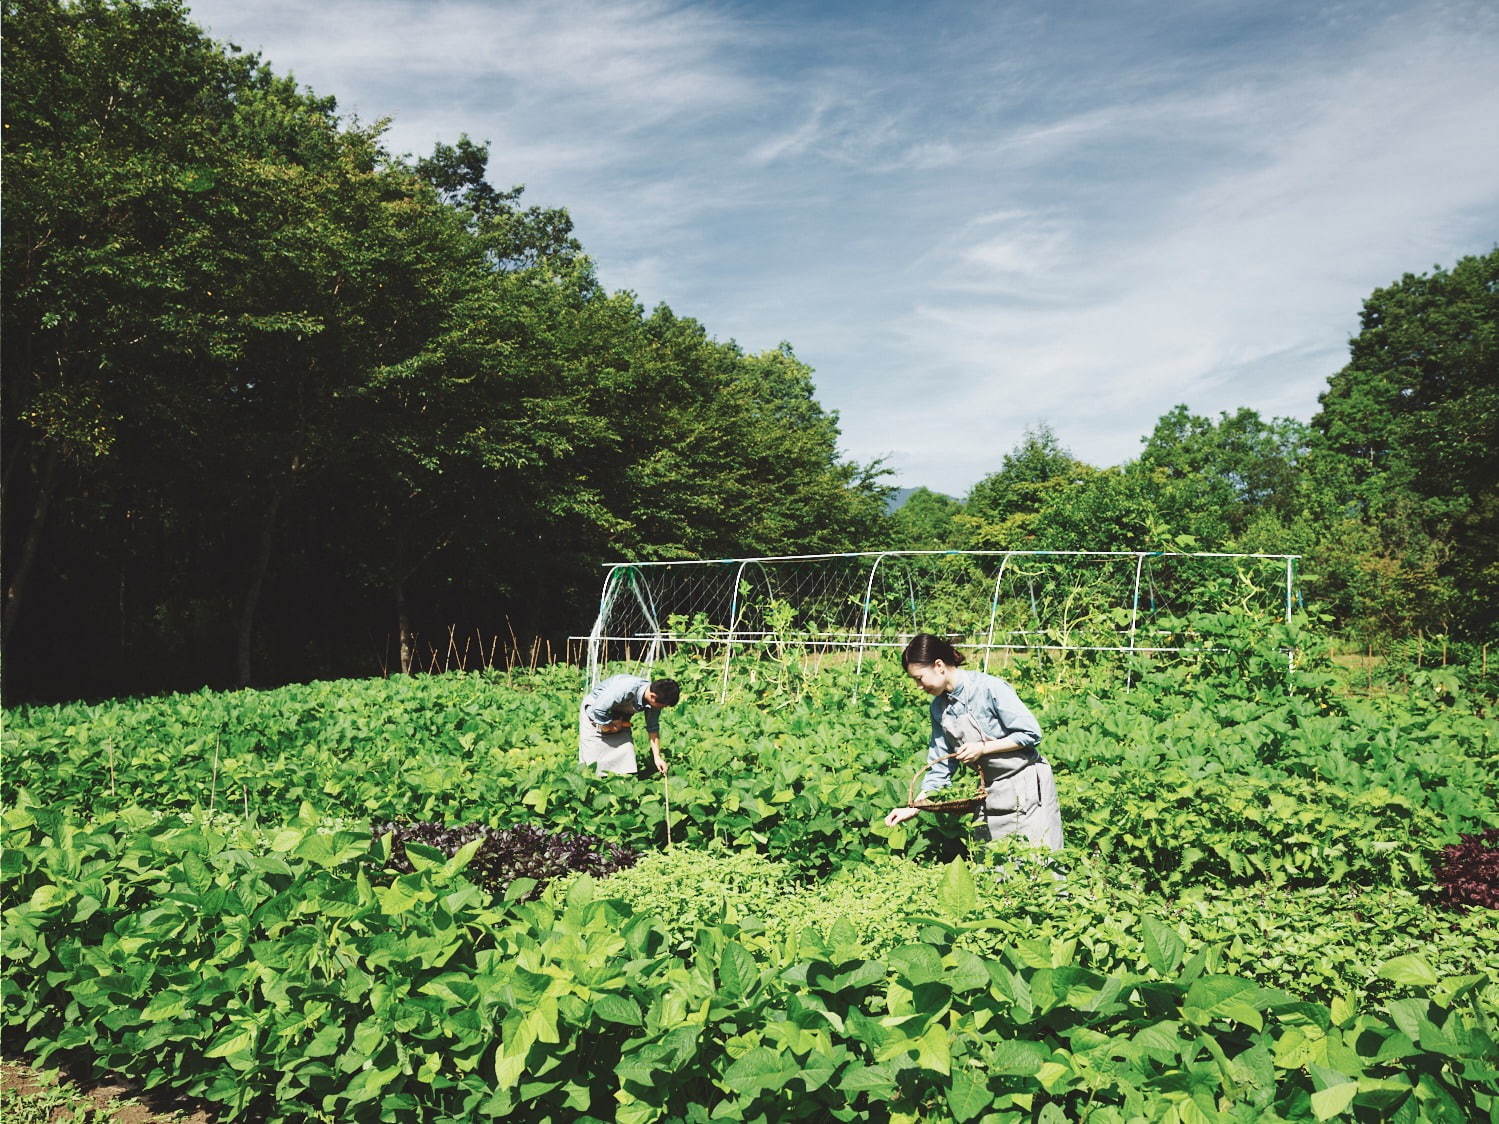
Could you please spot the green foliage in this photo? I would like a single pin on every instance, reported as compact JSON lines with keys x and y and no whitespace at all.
{"x":1408,"y":431}
{"x":1004,"y":510}
{"x":806,"y":768}
{"x":52,"y":1105}
{"x":287,"y":982}
{"x":925,"y":522}
{"x":1241,"y":924}
{"x":273,"y":391}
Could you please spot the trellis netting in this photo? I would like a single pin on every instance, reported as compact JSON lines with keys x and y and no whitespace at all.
{"x":990,"y":602}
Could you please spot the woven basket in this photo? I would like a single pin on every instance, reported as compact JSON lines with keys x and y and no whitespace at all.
{"x":961,"y":805}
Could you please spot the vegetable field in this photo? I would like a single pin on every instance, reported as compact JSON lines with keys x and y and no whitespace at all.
{"x":402,"y":900}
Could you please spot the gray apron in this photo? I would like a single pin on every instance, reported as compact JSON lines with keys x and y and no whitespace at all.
{"x":1021,"y":792}
{"x":608,"y":753}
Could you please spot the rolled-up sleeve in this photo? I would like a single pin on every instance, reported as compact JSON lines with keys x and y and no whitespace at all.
{"x":1013,"y":716}
{"x":941,"y":773}
{"x":602,"y":700}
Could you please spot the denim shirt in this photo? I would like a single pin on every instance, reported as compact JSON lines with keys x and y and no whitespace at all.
{"x":621,"y":696}
{"x":994,"y":707}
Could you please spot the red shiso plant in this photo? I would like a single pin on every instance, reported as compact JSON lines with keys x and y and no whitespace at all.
{"x":523,"y":851}
{"x":1467,"y":873}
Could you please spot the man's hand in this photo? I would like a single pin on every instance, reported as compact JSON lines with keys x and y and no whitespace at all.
{"x":617,"y":726}
{"x":660,"y":764}
{"x":899,"y":816}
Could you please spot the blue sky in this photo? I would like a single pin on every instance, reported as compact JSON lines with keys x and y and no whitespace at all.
{"x":967,"y":218}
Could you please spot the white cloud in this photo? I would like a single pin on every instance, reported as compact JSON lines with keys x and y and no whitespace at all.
{"x":1236,"y":287}
{"x":972,"y":219}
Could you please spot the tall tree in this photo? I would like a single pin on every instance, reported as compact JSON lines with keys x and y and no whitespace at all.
{"x":926,"y":521}
{"x":1410,"y":427}
{"x":1001,"y":509}
{"x":1240,"y":466}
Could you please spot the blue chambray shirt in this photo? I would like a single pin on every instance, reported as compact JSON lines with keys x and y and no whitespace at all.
{"x":621,"y":696}
{"x":996,"y":708}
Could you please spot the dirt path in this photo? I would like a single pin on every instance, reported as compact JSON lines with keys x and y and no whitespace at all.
{"x":112,"y":1098}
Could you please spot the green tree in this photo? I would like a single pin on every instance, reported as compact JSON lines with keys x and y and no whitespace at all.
{"x":1001,"y":511}
{"x":1239,"y":466}
{"x":1409,"y":435}
{"x":269,"y":388}
{"x":926,"y":521}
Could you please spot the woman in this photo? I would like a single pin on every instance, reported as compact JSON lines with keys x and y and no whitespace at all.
{"x":979,"y":719}
{"x":605,"y":739}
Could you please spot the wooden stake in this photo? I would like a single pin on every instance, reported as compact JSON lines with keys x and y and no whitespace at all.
{"x":214,"y":791}
{"x":666,"y":800}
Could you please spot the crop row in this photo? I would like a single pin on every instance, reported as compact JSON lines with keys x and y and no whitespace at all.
{"x":297,"y":977}
{"x":1295,"y":789}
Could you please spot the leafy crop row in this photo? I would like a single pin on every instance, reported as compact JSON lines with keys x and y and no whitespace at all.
{"x":294,"y":978}
{"x":1295,"y":789}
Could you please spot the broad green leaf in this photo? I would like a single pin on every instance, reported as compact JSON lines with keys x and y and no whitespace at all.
{"x":918,"y":963}
{"x":737,"y":973}
{"x":423,"y":857}
{"x":617,"y":1009}
{"x":396,"y":898}
{"x":537,"y":798}
{"x":934,"y":1048}
{"x":1408,"y":970}
{"x":368,"y":1083}
{"x":462,"y":857}
{"x":878,"y":1079}
{"x":1334,"y":1100}
{"x":762,"y":1068}
{"x":1163,"y":947}
{"x":237,"y":1042}
{"x":968,"y":1095}
{"x":1226,"y":997}
{"x":958,"y":893}
{"x":1015,"y":1059}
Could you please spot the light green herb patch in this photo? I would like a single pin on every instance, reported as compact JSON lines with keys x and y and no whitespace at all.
{"x":1319,"y":944}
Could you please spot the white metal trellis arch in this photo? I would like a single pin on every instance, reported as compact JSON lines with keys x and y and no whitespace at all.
{"x":631,"y":577}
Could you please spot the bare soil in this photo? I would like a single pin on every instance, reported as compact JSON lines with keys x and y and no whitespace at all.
{"x":112,"y":1096}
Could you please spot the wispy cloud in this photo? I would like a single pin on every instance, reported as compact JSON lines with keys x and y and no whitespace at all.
{"x":967,"y":218}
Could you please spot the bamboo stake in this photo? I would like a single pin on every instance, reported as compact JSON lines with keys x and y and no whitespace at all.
{"x":214,"y":791}
{"x":666,"y":800}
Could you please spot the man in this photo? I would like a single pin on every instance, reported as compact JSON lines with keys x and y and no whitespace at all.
{"x":604,"y":732}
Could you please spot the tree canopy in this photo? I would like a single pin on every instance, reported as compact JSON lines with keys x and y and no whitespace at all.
{"x":279,"y":402}
{"x":274,"y":393}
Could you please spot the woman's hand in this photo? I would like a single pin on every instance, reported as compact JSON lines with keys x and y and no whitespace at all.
{"x":899,"y":816}
{"x":970,"y":752}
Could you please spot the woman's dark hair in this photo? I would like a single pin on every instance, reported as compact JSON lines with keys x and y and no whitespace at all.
{"x":666,"y":691}
{"x":925,"y":648}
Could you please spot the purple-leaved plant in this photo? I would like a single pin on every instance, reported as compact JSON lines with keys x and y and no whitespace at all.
{"x":1468,"y":872}
{"x":523,"y":851}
